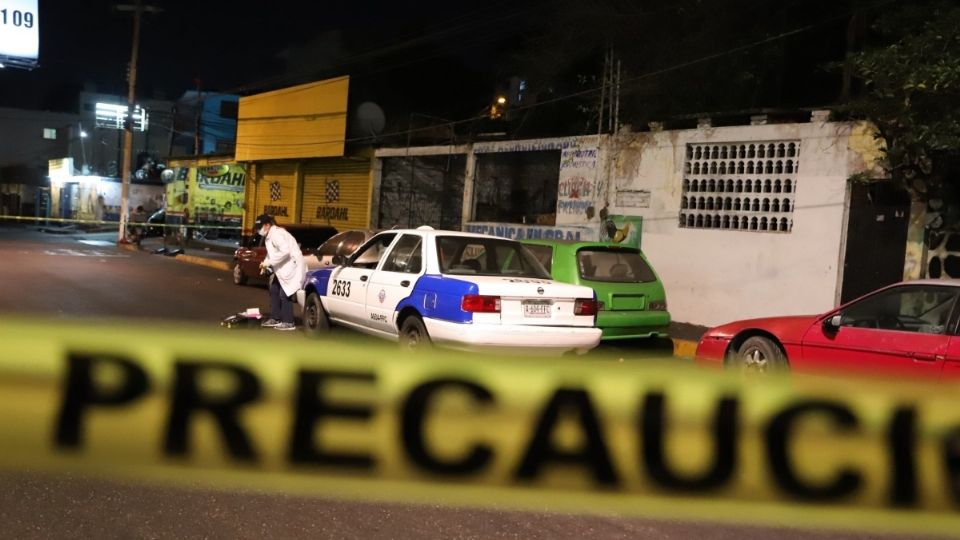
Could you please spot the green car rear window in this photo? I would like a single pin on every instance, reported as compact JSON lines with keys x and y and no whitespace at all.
{"x":613,"y":265}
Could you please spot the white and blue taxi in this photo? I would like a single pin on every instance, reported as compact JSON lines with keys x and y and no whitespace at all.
{"x":460,"y":290}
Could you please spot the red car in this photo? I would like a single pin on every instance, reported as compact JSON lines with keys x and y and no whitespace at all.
{"x":905,"y":329}
{"x":246,"y":260}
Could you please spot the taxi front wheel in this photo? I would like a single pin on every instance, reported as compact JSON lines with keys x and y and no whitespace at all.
{"x":413,"y":334}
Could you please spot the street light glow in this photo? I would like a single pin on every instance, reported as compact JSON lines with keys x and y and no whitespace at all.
{"x":501,"y":100}
{"x":83,"y":134}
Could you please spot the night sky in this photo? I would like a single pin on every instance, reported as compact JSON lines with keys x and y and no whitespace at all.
{"x":449,"y":59}
{"x":437,"y":56}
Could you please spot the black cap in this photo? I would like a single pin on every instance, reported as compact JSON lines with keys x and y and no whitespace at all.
{"x":263,"y":219}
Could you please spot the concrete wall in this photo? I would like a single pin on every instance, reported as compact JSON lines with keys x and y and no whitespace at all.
{"x":716,"y":275}
{"x":712,"y":275}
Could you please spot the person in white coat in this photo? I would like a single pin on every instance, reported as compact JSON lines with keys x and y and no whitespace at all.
{"x":289,"y":271}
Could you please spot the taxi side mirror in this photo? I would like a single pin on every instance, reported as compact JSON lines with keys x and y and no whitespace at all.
{"x":339,"y":260}
{"x":832,"y":324}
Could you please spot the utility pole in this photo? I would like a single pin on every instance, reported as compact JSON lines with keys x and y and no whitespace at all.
{"x":616,"y":109}
{"x":603,"y":90}
{"x":138,"y":8}
{"x":83,"y":149}
{"x":198,"y":121}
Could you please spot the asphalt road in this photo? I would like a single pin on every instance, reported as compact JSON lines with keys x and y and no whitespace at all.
{"x":42,"y":507}
{"x":86,"y":276}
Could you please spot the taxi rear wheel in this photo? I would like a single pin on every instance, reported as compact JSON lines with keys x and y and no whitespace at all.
{"x":239,"y":278}
{"x":315,"y":322}
{"x":413,"y":334}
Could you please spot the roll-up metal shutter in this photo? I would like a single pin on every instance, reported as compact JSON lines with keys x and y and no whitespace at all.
{"x":276,"y":191}
{"x":337,"y":192}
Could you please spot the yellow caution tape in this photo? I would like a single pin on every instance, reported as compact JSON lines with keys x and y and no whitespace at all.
{"x":257,"y":410}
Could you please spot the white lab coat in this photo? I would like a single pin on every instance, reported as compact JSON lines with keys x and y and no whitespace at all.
{"x":284,"y":256}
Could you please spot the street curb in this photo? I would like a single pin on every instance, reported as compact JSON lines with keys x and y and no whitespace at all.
{"x":684,"y":348}
{"x":203,"y":261}
{"x":192,"y":259}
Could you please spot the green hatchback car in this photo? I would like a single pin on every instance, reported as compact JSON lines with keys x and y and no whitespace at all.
{"x":632,"y":301}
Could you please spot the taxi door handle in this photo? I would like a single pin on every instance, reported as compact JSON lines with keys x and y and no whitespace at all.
{"x":363,"y":278}
{"x":405,"y":283}
{"x":925,"y":357}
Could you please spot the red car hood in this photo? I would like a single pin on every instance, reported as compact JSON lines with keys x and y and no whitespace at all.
{"x":785,"y":328}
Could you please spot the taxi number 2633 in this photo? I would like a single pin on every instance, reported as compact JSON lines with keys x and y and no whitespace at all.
{"x":340,"y":288}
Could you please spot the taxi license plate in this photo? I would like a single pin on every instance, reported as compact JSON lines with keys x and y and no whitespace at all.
{"x":540,"y":309}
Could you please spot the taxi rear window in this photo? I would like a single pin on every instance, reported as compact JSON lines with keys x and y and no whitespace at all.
{"x":544,"y":255}
{"x":614,"y":265}
{"x":467,"y":255}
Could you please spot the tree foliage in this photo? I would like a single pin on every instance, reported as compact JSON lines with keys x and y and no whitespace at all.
{"x":911,"y":93}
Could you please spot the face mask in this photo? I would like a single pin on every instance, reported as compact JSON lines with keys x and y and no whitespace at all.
{"x":262,"y":231}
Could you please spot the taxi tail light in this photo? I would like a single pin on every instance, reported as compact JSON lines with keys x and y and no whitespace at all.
{"x":480,"y":303}
{"x":585,"y":306}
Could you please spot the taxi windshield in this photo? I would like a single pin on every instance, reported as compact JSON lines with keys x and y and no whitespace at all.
{"x":468,"y":255}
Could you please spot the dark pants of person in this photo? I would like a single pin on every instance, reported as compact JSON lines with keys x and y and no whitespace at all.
{"x":281,"y":305}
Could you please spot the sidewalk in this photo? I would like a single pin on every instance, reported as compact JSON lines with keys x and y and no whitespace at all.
{"x":211,"y":253}
{"x":685,"y":337}
{"x":71,"y":228}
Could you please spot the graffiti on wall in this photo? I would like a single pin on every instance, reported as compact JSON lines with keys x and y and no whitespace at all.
{"x":578,"y":191}
{"x":575,"y":195}
{"x":576,"y":158}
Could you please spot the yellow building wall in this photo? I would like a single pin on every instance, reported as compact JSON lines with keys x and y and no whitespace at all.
{"x":304,"y":121}
{"x":337,"y":192}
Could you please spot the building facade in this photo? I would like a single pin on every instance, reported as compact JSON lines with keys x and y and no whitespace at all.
{"x":102,"y":118}
{"x":739,"y":221}
{"x":28,"y":140}
{"x":300,"y":169}
{"x":205,"y":124}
